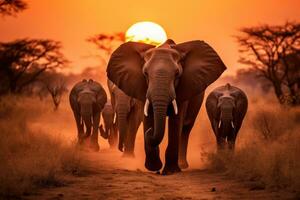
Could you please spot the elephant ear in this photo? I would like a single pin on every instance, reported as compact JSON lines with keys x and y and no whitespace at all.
{"x":241,"y":103}
{"x":201,"y":67}
{"x":211,"y":105}
{"x":125,"y":69}
{"x":74,"y":94}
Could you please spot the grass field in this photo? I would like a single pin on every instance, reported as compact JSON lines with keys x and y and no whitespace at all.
{"x":31,"y":158}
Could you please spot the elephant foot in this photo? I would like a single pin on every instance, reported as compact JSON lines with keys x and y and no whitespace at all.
{"x":95,"y":146}
{"x":153,"y":164}
{"x":170,"y":169}
{"x":183,"y":164}
{"x":128,"y":155}
{"x":79,"y":146}
{"x":81,"y":140}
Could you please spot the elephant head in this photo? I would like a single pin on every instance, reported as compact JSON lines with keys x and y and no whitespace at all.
{"x":163,"y":76}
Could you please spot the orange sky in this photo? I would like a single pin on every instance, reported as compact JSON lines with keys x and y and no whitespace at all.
{"x":215,"y":21}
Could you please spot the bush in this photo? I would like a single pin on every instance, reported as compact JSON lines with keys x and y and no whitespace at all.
{"x":273,"y":159}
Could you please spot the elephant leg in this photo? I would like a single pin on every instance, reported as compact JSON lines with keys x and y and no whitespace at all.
{"x":80,"y":131}
{"x":186,"y":129}
{"x":172,"y":152}
{"x":130,"y":140}
{"x":231,"y":140}
{"x":231,"y":143}
{"x":113,"y":136}
{"x":94,"y":138}
{"x":134,"y":123}
{"x":191,"y":110}
{"x":115,"y":133}
{"x":152,"y":162}
{"x":221,"y":143}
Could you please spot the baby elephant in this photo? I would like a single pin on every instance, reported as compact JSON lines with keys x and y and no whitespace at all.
{"x":109,"y":131}
{"x":226,"y":107}
{"x":87,"y":99}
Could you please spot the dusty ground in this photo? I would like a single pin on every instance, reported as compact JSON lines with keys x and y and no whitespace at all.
{"x":117,"y":179}
{"x":111,"y":176}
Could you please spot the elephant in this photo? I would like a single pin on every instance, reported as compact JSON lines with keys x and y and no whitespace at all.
{"x":170,"y":80}
{"x":110,"y":128}
{"x":226,"y":107}
{"x":129,"y":116}
{"x":87,"y":99}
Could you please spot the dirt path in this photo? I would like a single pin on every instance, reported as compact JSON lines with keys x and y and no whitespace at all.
{"x":114,"y":177}
{"x":122,"y":178}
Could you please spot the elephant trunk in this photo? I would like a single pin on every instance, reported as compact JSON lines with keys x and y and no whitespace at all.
{"x":226,"y":118}
{"x":160,"y":93}
{"x":122,"y":113}
{"x":160,"y":102}
{"x":86,"y":111}
{"x":87,"y":119}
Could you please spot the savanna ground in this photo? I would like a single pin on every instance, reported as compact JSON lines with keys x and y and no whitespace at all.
{"x":39,"y":158}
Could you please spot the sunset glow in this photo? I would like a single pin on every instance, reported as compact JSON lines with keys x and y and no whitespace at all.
{"x":149,"y":99}
{"x":147,"y":32}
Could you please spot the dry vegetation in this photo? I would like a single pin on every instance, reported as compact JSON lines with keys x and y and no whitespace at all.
{"x":268,"y":148}
{"x":30,"y":157}
{"x":37,"y":146}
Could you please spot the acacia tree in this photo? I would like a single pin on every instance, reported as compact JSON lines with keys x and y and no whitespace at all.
{"x":12,"y":7}
{"x":56,"y":88}
{"x":271,"y":51}
{"x":107,"y":42}
{"x":23,"y":61}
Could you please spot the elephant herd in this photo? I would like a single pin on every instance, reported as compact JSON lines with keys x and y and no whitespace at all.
{"x":148,"y":84}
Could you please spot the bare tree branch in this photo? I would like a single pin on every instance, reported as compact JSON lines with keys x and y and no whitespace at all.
{"x":12,"y":7}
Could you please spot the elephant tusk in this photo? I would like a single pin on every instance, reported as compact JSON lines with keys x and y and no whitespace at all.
{"x":148,"y":131}
{"x":219,"y":126}
{"x":115,"y":118}
{"x":146,"y":107}
{"x":175,"y":106}
{"x":232,"y":125}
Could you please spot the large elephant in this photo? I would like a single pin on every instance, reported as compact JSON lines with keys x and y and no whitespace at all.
{"x":226,"y":107}
{"x":109,"y":131}
{"x":169,"y":76}
{"x":87,"y":99}
{"x":129,"y":115}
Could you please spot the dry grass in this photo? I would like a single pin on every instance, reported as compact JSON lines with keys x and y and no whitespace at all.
{"x":268,"y":148}
{"x":31,"y":158}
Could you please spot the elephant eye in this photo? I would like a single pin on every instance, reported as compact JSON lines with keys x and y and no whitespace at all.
{"x":145,"y":73}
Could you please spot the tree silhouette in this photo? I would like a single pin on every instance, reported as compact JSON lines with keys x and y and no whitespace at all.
{"x":272,"y":51}
{"x":56,"y":87}
{"x":107,"y":42}
{"x":23,"y":61}
{"x":12,"y":7}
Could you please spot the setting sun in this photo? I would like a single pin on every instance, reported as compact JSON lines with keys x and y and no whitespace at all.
{"x":147,"y":32}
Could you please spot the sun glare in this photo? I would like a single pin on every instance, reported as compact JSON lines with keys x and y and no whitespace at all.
{"x":146,"y":32}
